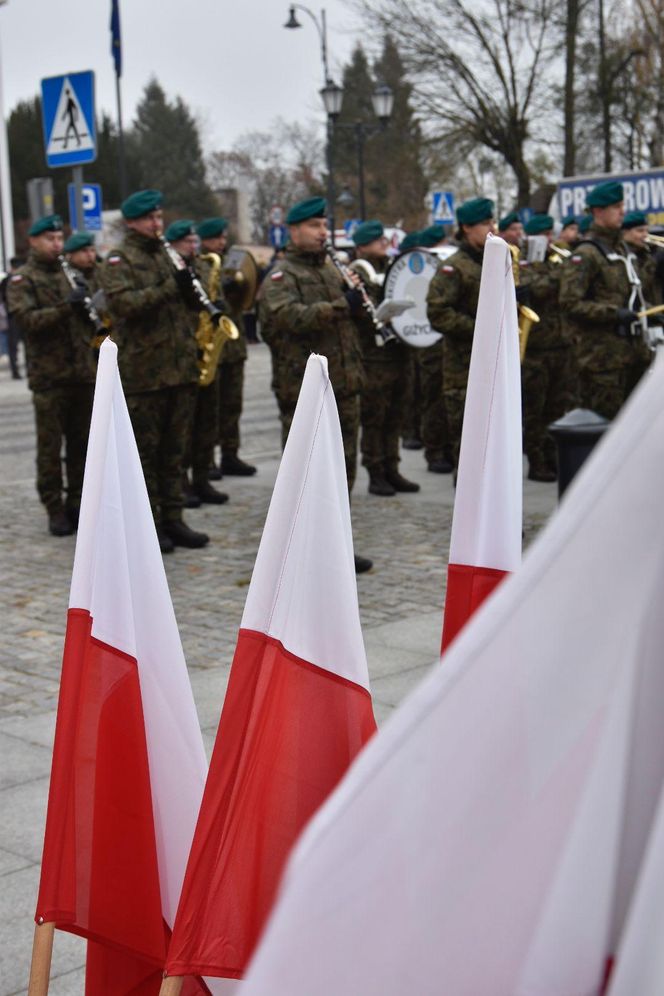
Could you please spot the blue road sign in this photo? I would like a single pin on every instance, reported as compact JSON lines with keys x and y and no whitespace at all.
{"x":278,"y":235}
{"x":350,"y":226}
{"x":442,"y":207}
{"x":91,"y":207}
{"x":68,"y":116}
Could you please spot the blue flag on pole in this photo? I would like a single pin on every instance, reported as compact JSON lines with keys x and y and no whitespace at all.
{"x":116,"y":45}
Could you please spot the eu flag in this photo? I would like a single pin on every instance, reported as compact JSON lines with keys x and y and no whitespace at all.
{"x":116,"y":44}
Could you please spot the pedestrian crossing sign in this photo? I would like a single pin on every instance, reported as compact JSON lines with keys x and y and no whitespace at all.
{"x":442,"y":207}
{"x":68,"y":115}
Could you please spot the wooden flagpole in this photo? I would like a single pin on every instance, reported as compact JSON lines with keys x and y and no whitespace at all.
{"x":171,"y":986}
{"x":40,"y":968}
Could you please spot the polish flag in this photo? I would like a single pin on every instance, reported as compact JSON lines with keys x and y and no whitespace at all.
{"x":298,"y":707}
{"x":128,"y":765}
{"x":486,"y":527}
{"x":503,"y":834}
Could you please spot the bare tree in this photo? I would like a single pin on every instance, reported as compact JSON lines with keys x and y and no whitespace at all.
{"x":481,"y":70}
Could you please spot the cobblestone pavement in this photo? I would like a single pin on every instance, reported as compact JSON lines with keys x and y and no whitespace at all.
{"x":400,"y":603}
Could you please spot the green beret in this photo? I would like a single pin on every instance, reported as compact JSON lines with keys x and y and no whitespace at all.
{"x":510,"y":219}
{"x":367,"y":232}
{"x":141,"y":203}
{"x":633,"y":219}
{"x":569,"y":219}
{"x":605,"y":194}
{"x":79,"y":240}
{"x":475,"y":210}
{"x":410,"y":241}
{"x":585,"y":221}
{"x":211,"y":228}
{"x":179,"y":230}
{"x":432,"y":235}
{"x":538,"y":223}
{"x":49,"y":223}
{"x":313,"y":207}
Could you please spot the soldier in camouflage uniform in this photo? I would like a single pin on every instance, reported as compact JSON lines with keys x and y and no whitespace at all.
{"x":510,"y":228}
{"x":568,"y":236}
{"x":452,"y":307}
{"x":61,"y":369}
{"x":635,"y":233}
{"x":304,"y":299}
{"x":386,"y":370}
{"x":152,"y":310}
{"x":212,"y":233}
{"x":595,"y":296}
{"x":548,"y":376}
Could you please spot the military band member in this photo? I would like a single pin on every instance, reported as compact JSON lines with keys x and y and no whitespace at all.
{"x":386,"y":370}
{"x":304,"y":300}
{"x":452,"y":307}
{"x":548,"y":375}
{"x":510,"y":228}
{"x":635,"y":234}
{"x":569,"y":232}
{"x":212,"y":233}
{"x":412,"y":429}
{"x":81,"y":253}
{"x":596,"y":297}
{"x":151,"y":307}
{"x":61,"y":371}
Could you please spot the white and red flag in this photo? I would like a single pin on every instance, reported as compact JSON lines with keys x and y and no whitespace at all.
{"x":502,"y":834}
{"x":128,"y":765}
{"x":486,"y":527}
{"x":298,"y":706}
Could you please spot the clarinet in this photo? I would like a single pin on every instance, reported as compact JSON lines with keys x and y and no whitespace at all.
{"x":75,"y":280}
{"x":384,"y":334}
{"x":197,"y":287}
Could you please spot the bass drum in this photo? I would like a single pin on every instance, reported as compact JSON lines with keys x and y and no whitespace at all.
{"x":241,"y":267}
{"x":409,"y":275}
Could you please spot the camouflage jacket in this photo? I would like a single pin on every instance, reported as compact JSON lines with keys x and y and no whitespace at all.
{"x":302,"y":301}
{"x":646,"y":267}
{"x":594,"y":284}
{"x":152,"y":325}
{"x":543,"y":282}
{"x":235,"y":351}
{"x":452,"y":302}
{"x":37,"y":297}
{"x":393,"y":353}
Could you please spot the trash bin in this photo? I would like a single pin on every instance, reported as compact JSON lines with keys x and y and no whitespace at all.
{"x":575,"y":434}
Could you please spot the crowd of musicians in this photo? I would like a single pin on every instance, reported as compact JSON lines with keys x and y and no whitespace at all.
{"x":176,"y":316}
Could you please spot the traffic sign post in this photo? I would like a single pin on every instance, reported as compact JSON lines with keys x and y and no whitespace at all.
{"x":442,"y":207}
{"x":70,"y":131}
{"x":277,"y":236}
{"x":91,"y":207}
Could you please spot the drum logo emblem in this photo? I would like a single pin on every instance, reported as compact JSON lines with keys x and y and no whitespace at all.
{"x":416,"y":262}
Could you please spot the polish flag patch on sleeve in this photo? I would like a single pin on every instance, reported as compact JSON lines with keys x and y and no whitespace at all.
{"x":577,"y":259}
{"x":447,"y":268}
{"x":114,"y":260}
{"x":17,"y":278}
{"x":277,"y":276}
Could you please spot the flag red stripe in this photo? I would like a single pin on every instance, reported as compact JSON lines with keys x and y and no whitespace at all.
{"x":467,"y":587}
{"x":99,"y":869}
{"x":288,"y":732}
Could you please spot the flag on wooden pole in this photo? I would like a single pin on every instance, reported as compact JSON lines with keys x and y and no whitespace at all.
{"x":298,"y":707}
{"x":486,"y":527}
{"x":128,"y":762}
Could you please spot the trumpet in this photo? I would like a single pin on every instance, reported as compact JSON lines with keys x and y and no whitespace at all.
{"x":75,"y":280}
{"x":198,"y":290}
{"x":655,"y":240}
{"x":384,"y":334}
{"x":557,"y":254}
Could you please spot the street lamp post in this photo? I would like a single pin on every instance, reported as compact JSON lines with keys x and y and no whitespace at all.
{"x":383,"y":101}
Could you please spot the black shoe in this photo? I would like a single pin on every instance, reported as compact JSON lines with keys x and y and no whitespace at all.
{"x":59,"y":524}
{"x":362,"y":564}
{"x":182,"y":535}
{"x":207,"y":495}
{"x":214,"y":473}
{"x":400,"y":483}
{"x":441,"y":466}
{"x":543,"y":474}
{"x":73,"y":516}
{"x":16,"y":376}
{"x":379,"y":486}
{"x":412,"y":443}
{"x":234,"y":467}
{"x":166,"y":544}
{"x":191,"y":499}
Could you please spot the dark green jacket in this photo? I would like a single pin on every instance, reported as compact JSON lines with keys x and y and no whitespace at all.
{"x":452,"y":302}
{"x":302,"y":301}
{"x":395,"y":352}
{"x":543,"y":282}
{"x":152,"y":325}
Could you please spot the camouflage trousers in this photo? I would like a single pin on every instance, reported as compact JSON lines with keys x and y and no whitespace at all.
{"x":230,"y":378}
{"x":349,"y":417}
{"x":455,"y":381}
{"x":205,"y":423}
{"x":549,"y":389}
{"x":62,"y":413}
{"x":412,"y":410}
{"x":605,"y":391}
{"x":162,"y":425}
{"x":435,"y":429}
{"x":381,"y":413}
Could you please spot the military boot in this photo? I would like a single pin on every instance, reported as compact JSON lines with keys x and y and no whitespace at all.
{"x":214,"y":473}
{"x":166,"y":544}
{"x":362,"y":564}
{"x":399,"y":483}
{"x":182,"y":535}
{"x":540,"y":471}
{"x":441,"y":465}
{"x":207,"y":495}
{"x":378,"y":485}
{"x":234,"y":467}
{"x":58,"y":523}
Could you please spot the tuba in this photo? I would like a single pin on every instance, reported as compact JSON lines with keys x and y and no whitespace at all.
{"x":527,"y":317}
{"x":211,"y":336}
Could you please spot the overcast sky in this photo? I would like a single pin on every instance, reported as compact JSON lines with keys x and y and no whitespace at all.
{"x":232,"y":62}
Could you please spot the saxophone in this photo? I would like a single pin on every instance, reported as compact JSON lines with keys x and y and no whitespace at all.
{"x":527,"y":317}
{"x":211,"y":336}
